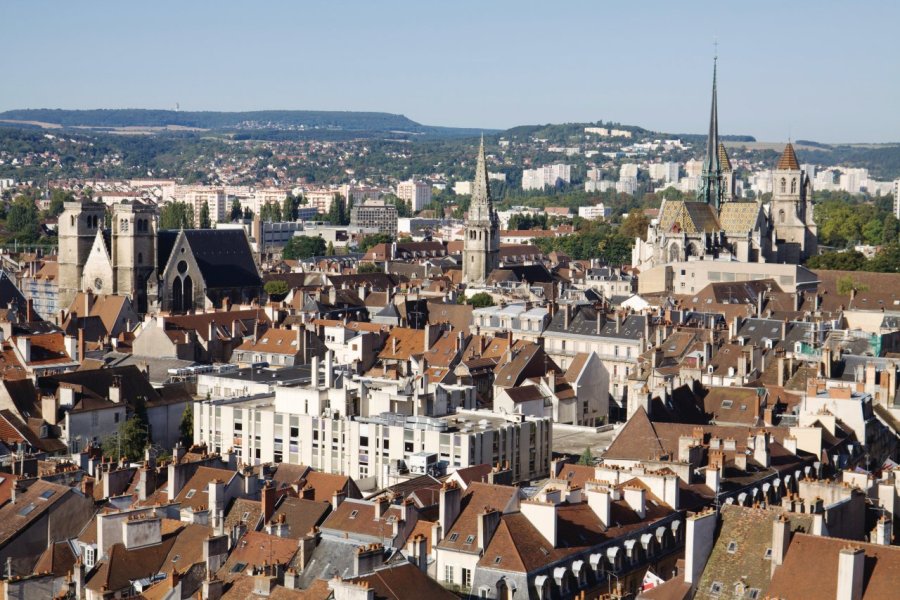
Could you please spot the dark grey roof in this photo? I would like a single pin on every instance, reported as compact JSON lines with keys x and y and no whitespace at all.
{"x":11,"y":296}
{"x":583,"y":321}
{"x":223,"y":255}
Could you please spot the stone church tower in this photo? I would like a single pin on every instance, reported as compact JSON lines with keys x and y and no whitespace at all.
{"x":121,"y":260}
{"x":795,"y":230}
{"x":481,"y":249}
{"x":79,"y":224}
{"x":133,"y":251}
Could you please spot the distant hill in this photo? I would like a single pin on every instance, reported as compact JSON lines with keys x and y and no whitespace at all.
{"x":261,"y":121}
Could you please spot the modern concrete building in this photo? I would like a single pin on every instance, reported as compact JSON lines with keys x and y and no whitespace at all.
{"x":417,"y":193}
{"x":375,"y":214}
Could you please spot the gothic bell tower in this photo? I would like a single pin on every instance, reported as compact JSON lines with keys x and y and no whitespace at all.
{"x":481,"y":248}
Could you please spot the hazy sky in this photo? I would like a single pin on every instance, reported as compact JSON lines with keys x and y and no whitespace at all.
{"x":821,"y":70}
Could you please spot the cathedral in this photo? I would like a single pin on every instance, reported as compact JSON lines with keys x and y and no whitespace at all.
{"x":172,"y":271}
{"x":481,"y":248}
{"x":717,"y":225}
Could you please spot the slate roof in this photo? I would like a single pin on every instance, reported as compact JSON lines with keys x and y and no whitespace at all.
{"x":583,"y":321}
{"x":223,"y":255}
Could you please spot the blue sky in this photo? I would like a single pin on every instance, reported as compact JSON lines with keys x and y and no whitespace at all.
{"x":826,"y":70}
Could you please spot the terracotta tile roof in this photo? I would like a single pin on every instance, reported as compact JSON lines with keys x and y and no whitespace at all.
{"x":124,"y":566}
{"x":326,"y":484}
{"x":426,"y":529}
{"x":521,"y":548}
{"x":458,"y":315}
{"x":255,"y":549}
{"x":788,"y":160}
{"x":409,"y":342}
{"x":748,"y":533}
{"x":301,"y":515}
{"x":57,"y":559}
{"x":243,"y":510}
{"x":404,"y":581}
{"x":477,"y":496}
{"x":358,"y":517}
{"x":797,"y":578}
{"x":273,"y":341}
{"x":199,"y":484}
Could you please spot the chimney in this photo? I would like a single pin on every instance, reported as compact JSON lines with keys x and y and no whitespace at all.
{"x":636,"y":498}
{"x":115,"y":389}
{"x":761,"y":449}
{"x":883,"y":534}
{"x":367,"y":558}
{"x":488,"y":521}
{"x":291,"y":579}
{"x":337,"y":498}
{"x":381,"y":505}
{"x":427,"y":337}
{"x":759,"y":304}
{"x":307,"y":545}
{"x":417,"y":549}
{"x":701,"y":529}
{"x":712,"y":479}
{"x":851,"y":563}
{"x":268,"y":499}
{"x":29,"y":310}
{"x":781,"y":539}
{"x":618,"y":321}
{"x":314,"y":373}
{"x":212,"y":589}
{"x":566,"y":316}
{"x":450,"y":499}
{"x":23,"y":343}
{"x":329,"y":369}
{"x":598,"y":500}
{"x":542,"y":516}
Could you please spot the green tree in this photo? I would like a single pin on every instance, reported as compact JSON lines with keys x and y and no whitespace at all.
{"x":248,"y":214}
{"x":277,"y":289}
{"x":205,"y":221}
{"x":886,"y":261}
{"x":329,"y":251}
{"x":368,"y":267}
{"x":850,"y":260}
{"x":303,"y":246}
{"x":479,"y":300}
{"x":176,"y":215}
{"x":289,"y":208}
{"x":236,"y":210}
{"x":370,"y":241}
{"x":587,"y":458}
{"x":634,"y":225}
{"x":270,"y":212}
{"x":58,"y":198}
{"x":23,"y":220}
{"x":337,"y":213}
{"x":129,"y":441}
{"x":186,"y":427}
{"x":848,"y":284}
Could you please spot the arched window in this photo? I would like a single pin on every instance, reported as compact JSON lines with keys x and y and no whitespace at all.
{"x":783,"y":185}
{"x":794,"y":186}
{"x":72,"y":218}
{"x":781,"y":216}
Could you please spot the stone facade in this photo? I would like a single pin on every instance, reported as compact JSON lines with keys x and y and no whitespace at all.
{"x":481,"y":248}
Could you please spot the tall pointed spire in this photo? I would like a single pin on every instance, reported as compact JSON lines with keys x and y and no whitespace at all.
{"x":482,"y":207}
{"x":712,"y":188}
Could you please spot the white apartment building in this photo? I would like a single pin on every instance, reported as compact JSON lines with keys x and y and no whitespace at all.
{"x":693,"y":168}
{"x":626,"y":185}
{"x":599,"y":186}
{"x":547,"y":176}
{"x":854,"y":180}
{"x":321,"y":199}
{"x":197,"y":196}
{"x":296,"y":426}
{"x":667,"y":171}
{"x":463,"y":188}
{"x":628,"y":170}
{"x":896,"y":192}
{"x":356,"y":194}
{"x":592,"y":213}
{"x":417,"y":193}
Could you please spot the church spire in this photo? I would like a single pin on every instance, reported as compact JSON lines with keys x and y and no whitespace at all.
{"x":481,"y":189}
{"x":481,"y":207}
{"x":711,"y":185}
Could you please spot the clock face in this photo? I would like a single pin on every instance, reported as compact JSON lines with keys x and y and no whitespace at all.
{"x":98,"y":284}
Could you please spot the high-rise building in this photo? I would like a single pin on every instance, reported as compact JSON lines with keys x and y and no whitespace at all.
{"x":547,"y":176}
{"x":896,"y":193}
{"x":481,"y":248}
{"x":375,"y":214}
{"x":417,"y":193}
